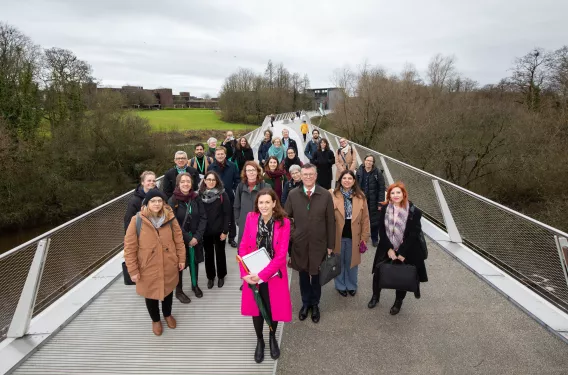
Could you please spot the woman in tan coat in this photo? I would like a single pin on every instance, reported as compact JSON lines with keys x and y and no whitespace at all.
{"x":154,"y":253}
{"x":351,"y":228}
{"x":345,"y":157}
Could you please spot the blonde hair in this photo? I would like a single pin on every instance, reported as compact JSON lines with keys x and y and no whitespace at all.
{"x":144,"y":174}
{"x":148,"y":212}
{"x":277,"y":138}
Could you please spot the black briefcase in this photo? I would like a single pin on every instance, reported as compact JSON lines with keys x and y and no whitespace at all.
{"x":126,"y":275}
{"x":329,"y":269}
{"x":398,"y":276}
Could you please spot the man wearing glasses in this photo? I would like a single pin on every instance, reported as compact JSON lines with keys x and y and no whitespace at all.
{"x":311,"y":208}
{"x":169,"y":184}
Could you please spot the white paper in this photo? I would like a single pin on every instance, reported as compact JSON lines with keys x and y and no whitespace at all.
{"x":257,"y":261}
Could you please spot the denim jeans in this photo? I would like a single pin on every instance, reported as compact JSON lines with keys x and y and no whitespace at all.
{"x":347,"y":279}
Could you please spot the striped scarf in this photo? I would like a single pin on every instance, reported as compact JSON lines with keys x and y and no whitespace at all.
{"x":396,"y":224}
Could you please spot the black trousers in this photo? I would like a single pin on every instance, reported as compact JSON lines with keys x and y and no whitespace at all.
{"x":310,"y":289}
{"x":400,"y":294}
{"x":258,"y":321}
{"x":304,"y":135}
{"x":232,"y":224}
{"x":153,"y":306}
{"x":215,"y":253}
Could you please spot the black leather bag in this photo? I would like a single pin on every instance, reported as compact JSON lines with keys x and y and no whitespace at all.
{"x":126,"y":275}
{"x":329,"y":269}
{"x":398,"y":276}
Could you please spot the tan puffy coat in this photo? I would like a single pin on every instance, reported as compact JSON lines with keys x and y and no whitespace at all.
{"x":155,"y":255}
{"x":349,"y":163}
{"x":360,"y":225}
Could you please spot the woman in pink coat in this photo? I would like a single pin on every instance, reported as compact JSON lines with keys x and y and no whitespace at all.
{"x":268,"y":227}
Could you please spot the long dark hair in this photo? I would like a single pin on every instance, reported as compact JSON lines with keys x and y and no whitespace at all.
{"x":218,"y":183}
{"x":326,"y":144}
{"x":357,"y":192}
{"x":278,"y":212}
{"x":278,"y":165}
{"x":239,"y":147}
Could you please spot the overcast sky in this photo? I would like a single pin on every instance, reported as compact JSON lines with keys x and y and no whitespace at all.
{"x":193,"y":45}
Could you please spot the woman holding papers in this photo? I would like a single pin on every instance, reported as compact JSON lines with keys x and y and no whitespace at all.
{"x":266,"y":227}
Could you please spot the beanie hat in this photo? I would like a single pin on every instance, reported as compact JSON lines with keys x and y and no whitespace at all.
{"x":152,"y":193}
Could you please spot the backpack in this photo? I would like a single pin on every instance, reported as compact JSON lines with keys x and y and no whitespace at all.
{"x":139,"y":225}
{"x":421,"y":239}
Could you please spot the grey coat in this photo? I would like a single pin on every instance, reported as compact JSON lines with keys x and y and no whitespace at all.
{"x":314,"y":228}
{"x":244,"y":203}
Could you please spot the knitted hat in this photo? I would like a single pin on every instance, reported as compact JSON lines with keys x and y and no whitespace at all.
{"x":152,"y":193}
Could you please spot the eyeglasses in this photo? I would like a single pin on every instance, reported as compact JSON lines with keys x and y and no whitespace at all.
{"x":155,"y":201}
{"x":210,"y":180}
{"x":250,"y":170}
{"x":180,"y":159}
{"x":308,"y":175}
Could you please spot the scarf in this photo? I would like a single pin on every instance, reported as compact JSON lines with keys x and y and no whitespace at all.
{"x":179,"y":196}
{"x":395,"y":226}
{"x":181,"y":170}
{"x":276,"y":151}
{"x":264,"y":235}
{"x":347,"y":202}
{"x":251,"y":185}
{"x":157,"y":221}
{"x":290,"y":162}
{"x":211,"y":195}
{"x":222,"y":165}
{"x":275,"y":173}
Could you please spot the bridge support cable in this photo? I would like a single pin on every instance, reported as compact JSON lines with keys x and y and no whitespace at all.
{"x":451,"y":227}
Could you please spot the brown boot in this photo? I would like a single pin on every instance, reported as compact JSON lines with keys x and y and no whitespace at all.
{"x":170,"y":321}
{"x":157,"y":328}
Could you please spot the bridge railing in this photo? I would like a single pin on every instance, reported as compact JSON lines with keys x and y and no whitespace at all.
{"x":532,"y":252}
{"x":75,"y":250}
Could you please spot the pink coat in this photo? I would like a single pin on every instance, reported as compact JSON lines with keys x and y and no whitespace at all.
{"x":278,"y":288}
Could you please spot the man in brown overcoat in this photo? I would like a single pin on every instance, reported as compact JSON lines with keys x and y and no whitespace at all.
{"x":311,"y":207}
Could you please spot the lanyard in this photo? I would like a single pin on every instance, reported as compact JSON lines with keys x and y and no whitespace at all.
{"x":202,"y":166}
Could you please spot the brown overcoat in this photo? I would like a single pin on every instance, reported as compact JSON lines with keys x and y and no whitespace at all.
{"x":360,"y":224}
{"x":314,"y":228}
{"x":350,"y":161}
{"x":155,"y":255}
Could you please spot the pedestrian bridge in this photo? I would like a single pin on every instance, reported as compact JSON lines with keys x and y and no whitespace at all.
{"x":496,"y":302}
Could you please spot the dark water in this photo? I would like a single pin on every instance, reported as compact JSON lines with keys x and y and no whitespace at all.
{"x":12,"y":239}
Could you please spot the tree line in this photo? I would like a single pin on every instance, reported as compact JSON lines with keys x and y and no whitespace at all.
{"x":247,"y":97}
{"x":506,"y":141}
{"x":64,"y":147}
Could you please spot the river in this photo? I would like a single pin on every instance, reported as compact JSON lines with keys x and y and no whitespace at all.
{"x":12,"y":239}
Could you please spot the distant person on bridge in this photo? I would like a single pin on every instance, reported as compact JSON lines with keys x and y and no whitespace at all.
{"x":219,"y":212}
{"x":274,"y":175}
{"x":267,"y":227}
{"x":288,"y":142}
{"x":399,"y":231}
{"x":245,"y":195}
{"x":243,"y":153}
{"x":304,"y":129}
{"x":272,"y":119}
{"x":313,"y":145}
{"x":298,"y":114}
{"x":229,"y":174}
{"x":155,"y":256}
{"x":212,"y":144}
{"x":291,"y":159}
{"x":200,"y":161}
{"x":182,"y":165}
{"x":230,"y":143}
{"x":311,"y":208}
{"x":192,"y":218}
{"x":294,"y":182}
{"x":352,"y":228}
{"x":147,"y":182}
{"x":372,"y":182}
{"x":345,"y":157}
{"x":264,"y":147}
{"x":324,"y":159}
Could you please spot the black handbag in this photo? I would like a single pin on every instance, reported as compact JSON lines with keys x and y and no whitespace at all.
{"x":126,"y":275}
{"x":398,"y":276}
{"x":329,"y":269}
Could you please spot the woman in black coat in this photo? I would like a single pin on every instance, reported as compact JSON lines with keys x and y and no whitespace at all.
{"x":218,"y":207}
{"x":243,"y":153}
{"x":399,"y":232}
{"x":147,"y":182}
{"x":324,"y":159}
{"x":372,"y":182}
{"x":191,"y":216}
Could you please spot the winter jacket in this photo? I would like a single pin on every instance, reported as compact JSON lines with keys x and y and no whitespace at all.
{"x":288,"y":186}
{"x":218,"y":215}
{"x":154,"y":255}
{"x":291,"y":144}
{"x":229,"y":175}
{"x":169,"y":183}
{"x":324,"y":161}
{"x":194,"y":226}
{"x":263,"y":151}
{"x":311,"y":148}
{"x":240,"y":157}
{"x":134,"y":205}
{"x":230,"y":146}
{"x":345,"y":161}
{"x":244,"y":203}
{"x":373,"y":185}
{"x":206,"y":162}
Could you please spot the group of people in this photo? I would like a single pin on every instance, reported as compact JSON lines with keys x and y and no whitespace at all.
{"x":279,"y":203}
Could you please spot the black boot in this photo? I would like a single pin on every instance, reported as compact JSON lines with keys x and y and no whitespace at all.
{"x":373,"y":302}
{"x":181,"y":296}
{"x":395,"y":309}
{"x":274,"y":349}
{"x":259,"y":351}
{"x":197,"y":290}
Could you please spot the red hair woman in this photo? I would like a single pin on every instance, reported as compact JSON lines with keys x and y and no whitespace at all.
{"x":399,"y":231}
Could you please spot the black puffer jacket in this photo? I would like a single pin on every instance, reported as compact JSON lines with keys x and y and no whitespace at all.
{"x":134,"y":205}
{"x":195,"y":224}
{"x":240,"y":157}
{"x":218,"y":214}
{"x":373,"y":185}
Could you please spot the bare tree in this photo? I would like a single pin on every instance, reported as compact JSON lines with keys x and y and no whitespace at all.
{"x":440,"y":69}
{"x":529,"y":76}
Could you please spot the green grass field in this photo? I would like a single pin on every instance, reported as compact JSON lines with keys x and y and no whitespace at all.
{"x":191,"y":119}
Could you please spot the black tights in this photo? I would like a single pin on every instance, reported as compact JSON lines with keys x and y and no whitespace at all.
{"x":258,"y":321}
{"x":153,"y":306}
